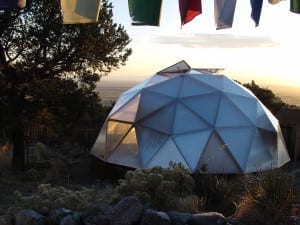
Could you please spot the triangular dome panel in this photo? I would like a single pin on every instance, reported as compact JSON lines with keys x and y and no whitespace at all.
{"x":149,"y":143}
{"x":262,"y":120}
{"x":122,"y":100}
{"x":127,"y":152}
{"x":238,"y":140}
{"x":128,"y":111}
{"x":168,"y":153}
{"x":191,"y":146}
{"x":150,"y":102}
{"x":161,"y":120}
{"x":170,"y":88}
{"x":215,"y":81}
{"x":186,"y":121}
{"x":216,"y":158}
{"x":116,"y":131}
{"x":260,"y":157}
{"x":270,"y":140}
{"x":247,"y":105}
{"x":232,"y":87}
{"x":205,"y":106}
{"x":230,"y":116}
{"x":283,"y":156}
{"x":191,"y":87}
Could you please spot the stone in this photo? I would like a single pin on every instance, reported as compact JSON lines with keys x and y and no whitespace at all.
{"x":29,"y":217}
{"x":179,"y":218}
{"x":43,"y":211}
{"x":151,"y":217}
{"x":96,"y":214}
{"x":55,"y":216}
{"x":126,"y":212}
{"x":209,"y":218}
{"x":95,"y":220}
{"x":73,"y":219}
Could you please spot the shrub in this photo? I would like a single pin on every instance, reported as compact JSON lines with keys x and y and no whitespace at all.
{"x":269,"y":196}
{"x":219,"y":192}
{"x":56,"y":197}
{"x":160,"y":187}
{"x":37,"y":152}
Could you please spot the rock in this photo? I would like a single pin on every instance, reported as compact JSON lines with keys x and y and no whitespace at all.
{"x":29,"y":217}
{"x":55,"y":216}
{"x":151,"y":217}
{"x":209,"y":218}
{"x":73,"y":219}
{"x":6,"y":220}
{"x":178,"y":218}
{"x":95,"y":220}
{"x":96,"y":214}
{"x":43,"y":211}
{"x":126,"y":212}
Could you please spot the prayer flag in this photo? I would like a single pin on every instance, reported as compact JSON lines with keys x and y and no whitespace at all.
{"x":256,"y":6}
{"x":274,"y":1}
{"x":189,"y":9}
{"x":145,"y":12}
{"x":224,"y":13}
{"x":80,"y":11}
{"x":295,"y":6}
{"x":12,"y":4}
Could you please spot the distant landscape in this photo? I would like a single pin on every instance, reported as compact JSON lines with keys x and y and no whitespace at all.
{"x":110,"y":91}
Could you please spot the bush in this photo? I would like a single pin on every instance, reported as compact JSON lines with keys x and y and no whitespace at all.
{"x":160,"y":188}
{"x":56,"y":197}
{"x":269,"y":196}
{"x":219,"y":192}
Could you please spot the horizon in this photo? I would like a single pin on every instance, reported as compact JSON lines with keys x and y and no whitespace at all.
{"x":111,"y":89}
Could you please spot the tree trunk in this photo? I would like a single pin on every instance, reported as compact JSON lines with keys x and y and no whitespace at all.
{"x":18,"y":161}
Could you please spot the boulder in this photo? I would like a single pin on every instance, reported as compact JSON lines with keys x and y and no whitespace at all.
{"x":6,"y":220}
{"x":179,"y":218}
{"x":43,"y":211}
{"x":126,"y":212}
{"x":209,"y":218}
{"x":73,"y":219}
{"x":97,"y":219}
{"x":55,"y":216}
{"x":29,"y":217}
{"x":151,"y":217}
{"x":96,"y":214}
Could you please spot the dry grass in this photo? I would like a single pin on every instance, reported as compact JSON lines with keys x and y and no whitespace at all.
{"x":269,"y":197}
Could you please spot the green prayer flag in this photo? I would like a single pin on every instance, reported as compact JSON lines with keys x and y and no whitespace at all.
{"x":145,"y":12}
{"x":295,"y":6}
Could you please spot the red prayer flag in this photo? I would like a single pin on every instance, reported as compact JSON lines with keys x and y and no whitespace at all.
{"x":189,"y":9}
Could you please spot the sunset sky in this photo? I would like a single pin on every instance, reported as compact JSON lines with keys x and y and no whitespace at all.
{"x":268,"y":54}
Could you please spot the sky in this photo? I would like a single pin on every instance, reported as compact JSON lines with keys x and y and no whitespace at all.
{"x":267,"y":54}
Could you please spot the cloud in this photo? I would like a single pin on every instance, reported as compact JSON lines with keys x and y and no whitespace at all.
{"x":217,"y":41}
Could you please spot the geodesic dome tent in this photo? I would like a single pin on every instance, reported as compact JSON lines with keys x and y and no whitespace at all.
{"x":207,"y":122}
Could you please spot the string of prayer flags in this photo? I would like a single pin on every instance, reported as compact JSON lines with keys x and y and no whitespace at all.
{"x":80,"y":11}
{"x":295,"y":6}
{"x":224,"y":13}
{"x":12,"y":4}
{"x":256,"y":6}
{"x":189,"y":9}
{"x":145,"y":12}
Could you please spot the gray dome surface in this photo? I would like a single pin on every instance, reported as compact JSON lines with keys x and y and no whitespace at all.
{"x":209,"y":123}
